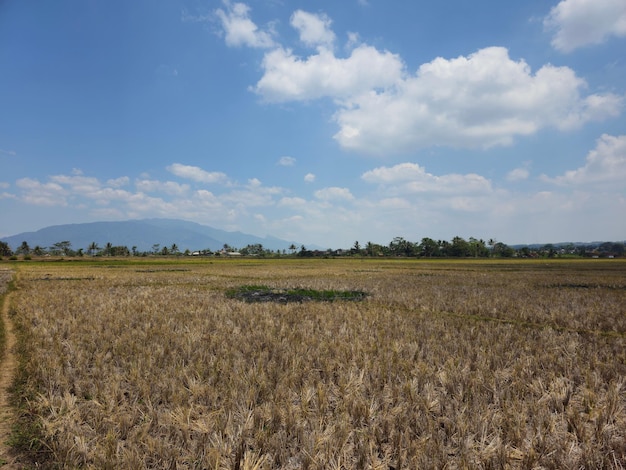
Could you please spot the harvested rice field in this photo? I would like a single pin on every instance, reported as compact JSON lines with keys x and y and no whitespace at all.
{"x":436,"y":364}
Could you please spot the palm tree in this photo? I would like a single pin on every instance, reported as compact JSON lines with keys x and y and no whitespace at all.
{"x":92,"y":248}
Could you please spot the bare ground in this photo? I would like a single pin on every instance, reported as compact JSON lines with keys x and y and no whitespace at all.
{"x":8,"y":366}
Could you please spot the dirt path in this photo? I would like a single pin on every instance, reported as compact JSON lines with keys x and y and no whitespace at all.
{"x":7,"y":372}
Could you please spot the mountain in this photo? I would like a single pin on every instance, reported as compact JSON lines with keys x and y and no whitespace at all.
{"x":144,"y":234}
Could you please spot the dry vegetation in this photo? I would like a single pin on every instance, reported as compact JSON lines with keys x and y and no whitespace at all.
{"x":443,"y":365}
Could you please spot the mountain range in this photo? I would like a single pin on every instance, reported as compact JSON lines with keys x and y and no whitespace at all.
{"x":144,"y":234}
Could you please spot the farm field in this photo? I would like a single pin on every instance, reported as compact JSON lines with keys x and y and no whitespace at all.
{"x":443,"y":364}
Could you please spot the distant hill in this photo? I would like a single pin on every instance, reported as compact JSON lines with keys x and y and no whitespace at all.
{"x":144,"y":234}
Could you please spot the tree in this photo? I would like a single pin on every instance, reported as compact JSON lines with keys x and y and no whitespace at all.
{"x":401,"y":247}
{"x":174,"y":249}
{"x":444,"y":247}
{"x":428,"y":247}
{"x":254,"y":249}
{"x":477,"y":248}
{"x":374,"y":249}
{"x":93,"y":248}
{"x":356,"y":248}
{"x":304,"y":252}
{"x":502,"y":250}
{"x":39,"y":251}
{"x":24,"y":249}
{"x":119,"y":251}
{"x":293,"y":248}
{"x":108,"y":249}
{"x":5,"y":249}
{"x":460,"y":247}
{"x":64,"y":248}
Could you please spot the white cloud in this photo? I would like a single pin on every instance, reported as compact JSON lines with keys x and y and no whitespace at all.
{"x":410,"y":178}
{"x":41,"y":194}
{"x":580,"y":23}
{"x":292,"y":202}
{"x":10,"y":153}
{"x":78,"y":183}
{"x":168,"y":187}
{"x":605,"y":164}
{"x":333,"y":194}
{"x":394,"y":203}
{"x":239,"y":29}
{"x":314,"y":29}
{"x":195,"y":173}
{"x":254,"y":194}
{"x":517,"y":174}
{"x":118,"y":182}
{"x":309,"y":178}
{"x":483,"y":100}
{"x":287,"y":161}
{"x":290,"y":78}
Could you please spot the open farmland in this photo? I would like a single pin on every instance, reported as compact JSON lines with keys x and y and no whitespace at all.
{"x":443,"y":364}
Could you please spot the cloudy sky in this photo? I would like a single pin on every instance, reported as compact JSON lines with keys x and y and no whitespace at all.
{"x":318,"y":121}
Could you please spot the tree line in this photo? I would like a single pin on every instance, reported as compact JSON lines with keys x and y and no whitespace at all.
{"x":458,"y":247}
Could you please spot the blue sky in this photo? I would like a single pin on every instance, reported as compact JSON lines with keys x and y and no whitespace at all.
{"x":324,"y":122}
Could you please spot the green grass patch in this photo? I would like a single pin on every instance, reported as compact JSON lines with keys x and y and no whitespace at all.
{"x":256,"y":293}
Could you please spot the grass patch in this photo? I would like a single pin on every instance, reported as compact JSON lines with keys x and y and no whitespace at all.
{"x":253,"y":293}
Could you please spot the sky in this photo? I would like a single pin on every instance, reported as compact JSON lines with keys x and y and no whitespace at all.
{"x":322,"y":121}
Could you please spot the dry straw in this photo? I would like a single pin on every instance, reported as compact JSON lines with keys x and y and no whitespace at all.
{"x":443,"y":365}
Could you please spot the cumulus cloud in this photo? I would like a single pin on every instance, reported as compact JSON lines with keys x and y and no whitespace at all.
{"x":309,"y":178}
{"x":78,"y":183}
{"x":334,"y":193}
{"x":605,"y":164}
{"x":239,"y":29}
{"x":286,"y":161}
{"x":579,"y":23}
{"x":254,"y":194}
{"x":195,"y":173}
{"x":517,"y":174}
{"x":168,"y":187}
{"x":292,"y":202}
{"x":42,"y":194}
{"x":118,"y":182}
{"x":290,"y":78}
{"x":411,"y":178}
{"x":483,"y":100}
{"x":150,"y":197}
{"x":314,"y":29}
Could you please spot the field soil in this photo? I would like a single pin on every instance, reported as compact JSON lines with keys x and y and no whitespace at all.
{"x":8,"y":365}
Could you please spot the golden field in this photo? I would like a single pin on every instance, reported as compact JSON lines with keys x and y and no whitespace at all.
{"x":445,"y":364}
